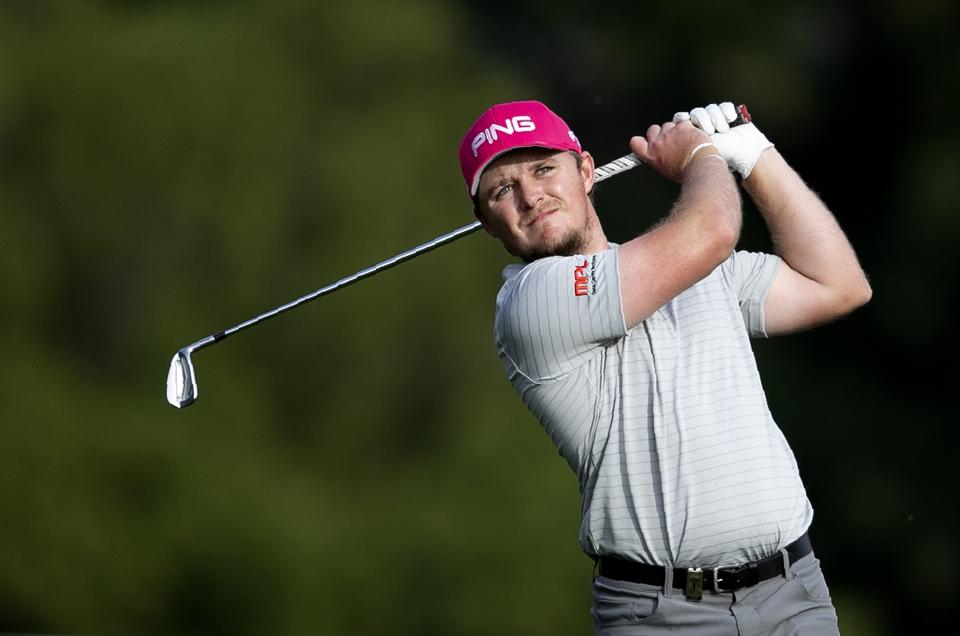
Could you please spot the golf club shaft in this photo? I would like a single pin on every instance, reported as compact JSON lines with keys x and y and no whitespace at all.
{"x":603,"y":172}
{"x":353,"y":278}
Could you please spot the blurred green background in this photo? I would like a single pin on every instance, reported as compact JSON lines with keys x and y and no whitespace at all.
{"x":361,"y":466}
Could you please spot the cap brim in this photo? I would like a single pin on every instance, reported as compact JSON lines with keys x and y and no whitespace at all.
{"x":476,"y":179}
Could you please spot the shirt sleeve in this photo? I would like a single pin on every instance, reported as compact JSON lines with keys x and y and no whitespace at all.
{"x":559,"y":312}
{"x":750,"y":275}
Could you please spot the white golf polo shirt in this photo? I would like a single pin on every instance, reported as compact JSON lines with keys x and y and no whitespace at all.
{"x":666,"y":425}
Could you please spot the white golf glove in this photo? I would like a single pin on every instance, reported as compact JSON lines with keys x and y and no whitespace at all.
{"x":741,"y":146}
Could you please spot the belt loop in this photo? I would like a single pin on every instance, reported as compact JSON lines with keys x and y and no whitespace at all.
{"x":668,"y":581}
{"x":787,"y":572}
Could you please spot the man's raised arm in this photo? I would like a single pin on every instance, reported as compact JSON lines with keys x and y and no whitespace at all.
{"x":820,"y":278}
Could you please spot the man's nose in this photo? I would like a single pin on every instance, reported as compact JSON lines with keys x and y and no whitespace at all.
{"x":529,"y":193}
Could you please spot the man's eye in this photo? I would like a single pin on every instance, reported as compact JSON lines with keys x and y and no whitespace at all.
{"x":544,"y":169}
{"x":501,"y":192}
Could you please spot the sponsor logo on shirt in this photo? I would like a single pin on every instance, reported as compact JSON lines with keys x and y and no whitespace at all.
{"x":584,"y":277}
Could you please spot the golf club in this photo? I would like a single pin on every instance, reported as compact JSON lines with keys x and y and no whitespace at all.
{"x":182,"y":379}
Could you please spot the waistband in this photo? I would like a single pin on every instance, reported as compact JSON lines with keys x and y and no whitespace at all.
{"x":719,"y":579}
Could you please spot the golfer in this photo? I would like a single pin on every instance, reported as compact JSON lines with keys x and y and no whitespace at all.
{"x":636,"y":360}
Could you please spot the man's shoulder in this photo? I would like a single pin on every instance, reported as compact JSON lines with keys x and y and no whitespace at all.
{"x":512,"y":272}
{"x":520,"y":280}
{"x":556,"y":282}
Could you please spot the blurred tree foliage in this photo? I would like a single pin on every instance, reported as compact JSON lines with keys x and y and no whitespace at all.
{"x":168,"y":169}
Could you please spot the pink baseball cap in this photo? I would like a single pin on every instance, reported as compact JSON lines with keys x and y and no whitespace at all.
{"x":505,"y":127}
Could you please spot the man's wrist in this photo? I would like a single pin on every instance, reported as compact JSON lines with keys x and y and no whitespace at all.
{"x":762,"y":169}
{"x":706,"y":149}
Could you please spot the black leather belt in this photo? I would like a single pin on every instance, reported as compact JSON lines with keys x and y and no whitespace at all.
{"x":694,"y":580}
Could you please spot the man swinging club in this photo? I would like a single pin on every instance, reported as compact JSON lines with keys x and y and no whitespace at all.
{"x":636,"y":360}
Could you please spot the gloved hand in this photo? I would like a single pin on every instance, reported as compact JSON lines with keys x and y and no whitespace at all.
{"x":741,"y":146}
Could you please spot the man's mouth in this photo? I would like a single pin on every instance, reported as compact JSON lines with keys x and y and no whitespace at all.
{"x":541,"y":216}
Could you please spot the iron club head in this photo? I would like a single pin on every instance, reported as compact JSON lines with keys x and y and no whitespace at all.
{"x":181,"y":381}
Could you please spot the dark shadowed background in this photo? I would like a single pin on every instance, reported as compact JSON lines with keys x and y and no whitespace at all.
{"x":361,"y":466}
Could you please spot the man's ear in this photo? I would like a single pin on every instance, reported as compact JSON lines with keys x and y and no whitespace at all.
{"x":587,"y":171}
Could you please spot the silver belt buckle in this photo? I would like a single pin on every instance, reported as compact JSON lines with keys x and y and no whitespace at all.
{"x":693,"y":590}
{"x":716,"y":580}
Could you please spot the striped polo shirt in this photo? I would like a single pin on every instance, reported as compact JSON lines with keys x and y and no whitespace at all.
{"x":666,"y":425}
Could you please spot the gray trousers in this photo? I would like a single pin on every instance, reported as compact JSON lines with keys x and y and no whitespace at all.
{"x":797,"y":603}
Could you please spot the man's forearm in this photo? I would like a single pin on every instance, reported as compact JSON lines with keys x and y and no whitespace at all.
{"x":699,"y":233}
{"x":712,"y":194}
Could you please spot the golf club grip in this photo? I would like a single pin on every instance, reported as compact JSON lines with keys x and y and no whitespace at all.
{"x":628,"y":162}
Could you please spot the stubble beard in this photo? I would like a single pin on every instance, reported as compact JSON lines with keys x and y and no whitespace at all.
{"x":571,"y":244}
{"x":574,"y":242}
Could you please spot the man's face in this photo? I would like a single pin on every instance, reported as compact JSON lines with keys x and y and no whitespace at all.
{"x":535,"y":200}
